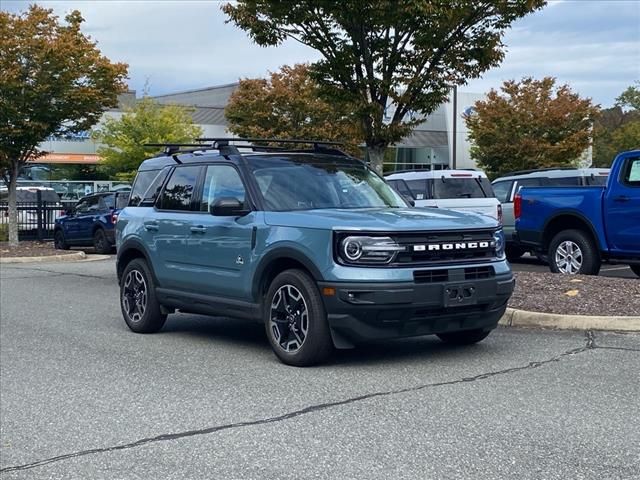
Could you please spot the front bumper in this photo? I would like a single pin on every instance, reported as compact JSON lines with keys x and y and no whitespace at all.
{"x":360,"y":312}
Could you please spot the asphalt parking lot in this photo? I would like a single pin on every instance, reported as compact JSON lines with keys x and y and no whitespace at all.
{"x":528,"y":263}
{"x":83,"y":397}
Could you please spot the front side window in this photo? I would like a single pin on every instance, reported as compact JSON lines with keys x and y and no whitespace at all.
{"x":179,"y":189}
{"x":221,"y":181}
{"x":317,"y":182}
{"x":631,"y":176}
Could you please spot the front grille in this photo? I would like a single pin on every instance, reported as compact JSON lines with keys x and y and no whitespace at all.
{"x":478,"y":273}
{"x":431,"y":276}
{"x":421,"y":247}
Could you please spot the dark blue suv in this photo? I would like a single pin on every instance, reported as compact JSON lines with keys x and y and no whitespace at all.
{"x":91,"y":222}
{"x":312,"y":243}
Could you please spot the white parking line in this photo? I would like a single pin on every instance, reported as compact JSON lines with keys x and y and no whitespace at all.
{"x":615,"y":268}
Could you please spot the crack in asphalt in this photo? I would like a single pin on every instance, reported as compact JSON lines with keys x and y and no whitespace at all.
{"x":589,"y":345}
{"x":82,"y":275}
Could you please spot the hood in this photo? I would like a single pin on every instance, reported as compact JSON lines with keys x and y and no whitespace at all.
{"x":381,"y":219}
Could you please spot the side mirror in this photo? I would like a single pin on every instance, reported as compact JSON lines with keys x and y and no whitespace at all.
{"x":227,"y":207}
{"x":68,"y":212}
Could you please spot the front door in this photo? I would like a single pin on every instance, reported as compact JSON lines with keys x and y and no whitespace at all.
{"x":221,"y":246}
{"x":622,"y":210}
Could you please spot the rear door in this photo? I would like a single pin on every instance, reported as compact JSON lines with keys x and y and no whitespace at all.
{"x":622,"y":210}
{"x":168,"y":226}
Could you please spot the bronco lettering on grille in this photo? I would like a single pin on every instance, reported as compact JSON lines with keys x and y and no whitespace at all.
{"x":436,"y":247}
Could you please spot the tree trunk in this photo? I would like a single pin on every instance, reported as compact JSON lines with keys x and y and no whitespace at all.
{"x":13,"y":211}
{"x":376,"y":157}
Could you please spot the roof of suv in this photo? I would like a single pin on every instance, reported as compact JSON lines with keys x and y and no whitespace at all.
{"x":221,"y":150}
{"x":554,"y":173}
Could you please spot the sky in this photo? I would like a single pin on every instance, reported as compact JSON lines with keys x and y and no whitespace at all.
{"x":593,"y":45}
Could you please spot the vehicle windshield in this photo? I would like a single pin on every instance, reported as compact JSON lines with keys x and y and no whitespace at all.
{"x":467,"y":187}
{"x":288,"y":184}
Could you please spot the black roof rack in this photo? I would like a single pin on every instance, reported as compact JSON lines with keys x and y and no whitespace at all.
{"x":225,"y":148}
{"x":319,"y":146}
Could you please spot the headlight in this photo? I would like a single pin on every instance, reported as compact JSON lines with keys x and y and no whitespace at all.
{"x":498,"y":240}
{"x":361,"y":249}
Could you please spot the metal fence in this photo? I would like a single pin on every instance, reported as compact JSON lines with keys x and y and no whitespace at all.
{"x":36,"y":220}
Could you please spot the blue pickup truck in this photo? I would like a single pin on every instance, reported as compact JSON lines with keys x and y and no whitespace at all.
{"x":580,"y":228}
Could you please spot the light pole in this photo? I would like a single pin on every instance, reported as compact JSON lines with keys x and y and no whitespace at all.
{"x":455,"y":127}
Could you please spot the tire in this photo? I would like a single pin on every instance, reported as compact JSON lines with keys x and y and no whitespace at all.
{"x":635,"y":269}
{"x":139,"y":306}
{"x":578,"y":248}
{"x":100,"y":242}
{"x":513,"y":252}
{"x":297,"y":339}
{"x":59,"y":242}
{"x":466,"y":337}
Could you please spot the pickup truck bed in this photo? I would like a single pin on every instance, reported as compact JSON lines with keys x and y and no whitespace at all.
{"x":579,"y":228}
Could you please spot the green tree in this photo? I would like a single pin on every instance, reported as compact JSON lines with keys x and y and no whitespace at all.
{"x":122,"y":139}
{"x":630,"y":98}
{"x":53,"y":81}
{"x":618,"y":128}
{"x":288,"y":105}
{"x":385,"y":56}
{"x":530,"y":124}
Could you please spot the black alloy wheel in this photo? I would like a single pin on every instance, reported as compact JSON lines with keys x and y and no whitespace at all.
{"x":138,"y":302}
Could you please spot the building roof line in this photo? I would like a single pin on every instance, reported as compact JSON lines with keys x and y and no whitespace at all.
{"x":195,"y":90}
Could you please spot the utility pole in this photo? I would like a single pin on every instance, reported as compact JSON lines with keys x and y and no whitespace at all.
{"x":454,"y":134}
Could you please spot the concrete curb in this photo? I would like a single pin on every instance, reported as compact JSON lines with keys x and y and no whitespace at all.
{"x":65,"y":257}
{"x":522,"y":318}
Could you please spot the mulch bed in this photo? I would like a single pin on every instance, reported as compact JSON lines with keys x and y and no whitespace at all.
{"x":576,"y":294}
{"x":29,"y":249}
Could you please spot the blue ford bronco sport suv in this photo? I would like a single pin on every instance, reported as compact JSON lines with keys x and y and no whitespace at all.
{"x":311,"y":242}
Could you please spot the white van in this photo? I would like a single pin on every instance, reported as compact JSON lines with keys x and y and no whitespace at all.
{"x":466,"y":190}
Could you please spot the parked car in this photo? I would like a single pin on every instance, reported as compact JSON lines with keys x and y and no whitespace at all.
{"x":27,"y":201}
{"x":507,"y":187}
{"x":312,"y":243}
{"x":91,"y":222}
{"x":581,"y":227}
{"x":463,"y":190}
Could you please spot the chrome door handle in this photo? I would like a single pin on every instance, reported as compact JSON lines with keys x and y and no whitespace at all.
{"x":198,"y":229}
{"x":151,"y":226}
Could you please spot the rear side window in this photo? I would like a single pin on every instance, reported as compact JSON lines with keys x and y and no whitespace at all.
{"x":563,"y":181}
{"x":467,"y":187}
{"x":147,"y":186}
{"x":502,"y":190}
{"x":109,"y":201}
{"x":178,"y":192}
{"x":527,"y":182}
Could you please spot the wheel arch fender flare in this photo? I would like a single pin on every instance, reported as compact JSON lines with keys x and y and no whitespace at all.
{"x":581,"y":222}
{"x":130,"y":249}
{"x":281,"y":258}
